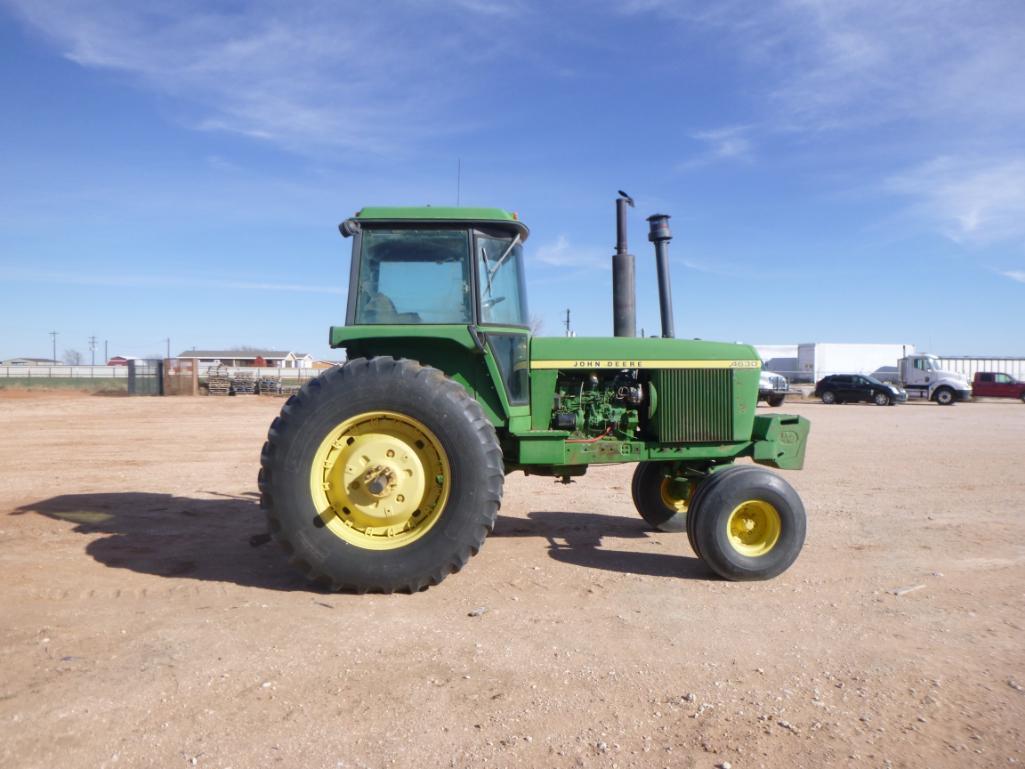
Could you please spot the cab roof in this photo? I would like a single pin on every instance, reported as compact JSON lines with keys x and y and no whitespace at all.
{"x":462,"y":215}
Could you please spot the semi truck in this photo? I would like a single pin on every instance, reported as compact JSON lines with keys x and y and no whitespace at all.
{"x":923,"y":378}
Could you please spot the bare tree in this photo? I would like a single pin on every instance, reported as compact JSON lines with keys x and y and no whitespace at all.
{"x":72,"y":358}
{"x":537,"y":322}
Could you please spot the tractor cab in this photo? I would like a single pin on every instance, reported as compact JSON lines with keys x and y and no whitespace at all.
{"x":436,"y":266}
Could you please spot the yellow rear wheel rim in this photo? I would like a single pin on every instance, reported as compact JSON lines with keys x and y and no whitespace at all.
{"x":675,"y":494}
{"x":753,"y":527}
{"x":380,"y":480}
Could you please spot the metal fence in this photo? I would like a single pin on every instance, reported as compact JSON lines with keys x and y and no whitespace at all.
{"x":172,"y":376}
{"x":121,"y":372}
{"x":63,"y":372}
{"x":145,"y":377}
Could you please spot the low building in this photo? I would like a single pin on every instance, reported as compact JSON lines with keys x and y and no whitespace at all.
{"x":250,"y":358}
{"x":29,"y":362}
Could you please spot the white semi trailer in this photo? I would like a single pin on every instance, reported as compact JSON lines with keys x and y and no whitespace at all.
{"x":818,"y":359}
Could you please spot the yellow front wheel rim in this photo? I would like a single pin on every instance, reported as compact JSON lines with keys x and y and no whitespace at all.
{"x":753,"y":527}
{"x":676,"y":494}
{"x":380,"y":480}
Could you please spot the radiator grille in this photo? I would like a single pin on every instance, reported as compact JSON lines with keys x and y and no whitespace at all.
{"x":694,"y":405}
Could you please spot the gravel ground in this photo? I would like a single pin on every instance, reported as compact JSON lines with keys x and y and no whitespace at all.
{"x":140,"y":627}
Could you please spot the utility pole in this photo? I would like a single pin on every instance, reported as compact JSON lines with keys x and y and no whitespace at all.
{"x":92,"y":350}
{"x":53,"y":334}
{"x":566,"y":322}
{"x":168,"y":340}
{"x":459,"y":178}
{"x":106,"y":354}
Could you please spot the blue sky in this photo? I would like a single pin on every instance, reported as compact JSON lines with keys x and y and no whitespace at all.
{"x":836,"y":171}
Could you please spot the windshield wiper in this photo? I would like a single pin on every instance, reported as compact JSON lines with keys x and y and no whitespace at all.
{"x":487,"y":265}
{"x":501,"y":259}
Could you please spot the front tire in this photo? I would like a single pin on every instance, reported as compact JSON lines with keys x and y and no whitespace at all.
{"x":707,"y":484}
{"x":661,"y":500}
{"x":749,"y":525}
{"x":828,"y":397}
{"x":881,"y":399}
{"x":775,"y":400}
{"x":381,"y":475}
{"x":944,"y":396}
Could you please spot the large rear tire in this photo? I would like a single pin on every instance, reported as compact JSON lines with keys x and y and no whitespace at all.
{"x":381,"y":475}
{"x":661,"y":500}
{"x":748,"y":524}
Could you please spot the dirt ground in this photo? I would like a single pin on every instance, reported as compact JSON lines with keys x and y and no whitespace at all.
{"x":139,"y":627}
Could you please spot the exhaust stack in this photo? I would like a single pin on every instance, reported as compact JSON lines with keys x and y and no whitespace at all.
{"x":624,"y":295}
{"x":660,"y":235}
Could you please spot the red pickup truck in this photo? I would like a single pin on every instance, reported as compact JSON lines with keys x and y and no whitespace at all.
{"x":988,"y":384}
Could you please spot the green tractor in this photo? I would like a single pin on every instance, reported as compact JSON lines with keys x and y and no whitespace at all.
{"x":385,"y":474}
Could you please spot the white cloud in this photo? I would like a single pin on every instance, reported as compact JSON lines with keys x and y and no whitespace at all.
{"x":305,"y":76}
{"x":727,"y":143}
{"x":562,"y":253}
{"x":1018,"y":275}
{"x":828,"y":65}
{"x":970,"y":200}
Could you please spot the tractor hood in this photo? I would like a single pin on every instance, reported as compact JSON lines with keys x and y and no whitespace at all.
{"x":633,"y":353}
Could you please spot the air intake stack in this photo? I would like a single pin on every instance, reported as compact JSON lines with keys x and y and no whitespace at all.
{"x":624,"y":295}
{"x":660,"y":235}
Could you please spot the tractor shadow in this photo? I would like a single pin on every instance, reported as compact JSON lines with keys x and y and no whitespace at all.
{"x":576,"y":539}
{"x":171,"y":536}
{"x":218,"y":539}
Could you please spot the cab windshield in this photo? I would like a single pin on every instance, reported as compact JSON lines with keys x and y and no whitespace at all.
{"x":500,"y":274}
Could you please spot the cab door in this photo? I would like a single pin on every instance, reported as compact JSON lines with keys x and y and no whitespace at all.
{"x":845,"y":389}
{"x":1003,"y":386}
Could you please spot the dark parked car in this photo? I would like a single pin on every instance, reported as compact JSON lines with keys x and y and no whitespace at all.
{"x":855,"y":388}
